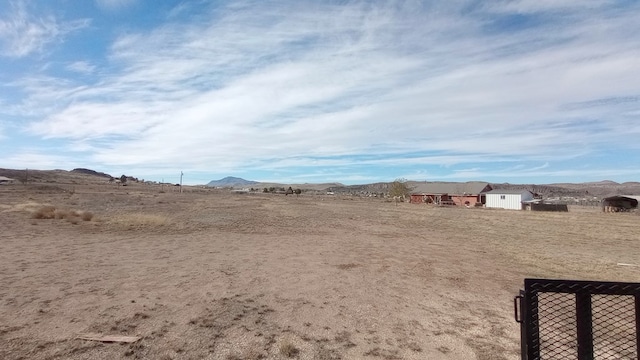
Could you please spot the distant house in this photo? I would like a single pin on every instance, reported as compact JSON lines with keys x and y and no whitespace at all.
{"x":450,"y":193}
{"x":5,"y":180}
{"x":507,"y":199}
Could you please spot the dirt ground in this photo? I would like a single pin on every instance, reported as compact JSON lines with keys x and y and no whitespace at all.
{"x":219,"y":275}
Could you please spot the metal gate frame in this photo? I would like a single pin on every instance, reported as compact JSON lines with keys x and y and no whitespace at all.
{"x":526,"y":311}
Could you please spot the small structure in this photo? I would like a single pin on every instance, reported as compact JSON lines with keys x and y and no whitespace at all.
{"x":539,"y":205}
{"x":5,"y":180}
{"x":508,"y":199}
{"x":450,"y":193}
{"x":620,"y":203}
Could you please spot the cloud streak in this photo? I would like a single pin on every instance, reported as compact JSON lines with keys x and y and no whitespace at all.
{"x":21,"y":33}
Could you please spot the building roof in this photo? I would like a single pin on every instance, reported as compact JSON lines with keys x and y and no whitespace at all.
{"x":4,"y":178}
{"x":635,"y":197}
{"x":507,"y":192}
{"x":453,"y":188}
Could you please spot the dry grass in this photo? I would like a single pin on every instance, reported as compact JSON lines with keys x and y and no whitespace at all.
{"x":86,"y":216}
{"x":443,"y":278}
{"x":51,"y":212}
{"x":45,"y":212}
{"x":288,"y":349}
{"x":140,"y":219}
{"x":66,"y":214}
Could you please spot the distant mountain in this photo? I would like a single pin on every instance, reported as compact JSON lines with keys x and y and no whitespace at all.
{"x":231,"y":181}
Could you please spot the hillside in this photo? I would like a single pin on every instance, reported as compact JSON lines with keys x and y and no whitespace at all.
{"x":76,"y":176}
{"x":91,"y":172}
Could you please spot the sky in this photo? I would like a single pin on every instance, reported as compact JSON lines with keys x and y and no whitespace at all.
{"x":521,"y":91}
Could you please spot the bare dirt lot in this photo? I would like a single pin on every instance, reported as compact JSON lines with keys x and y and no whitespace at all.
{"x":218,"y":275}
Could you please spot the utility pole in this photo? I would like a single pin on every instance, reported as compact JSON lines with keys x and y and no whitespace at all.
{"x":181,"y":173}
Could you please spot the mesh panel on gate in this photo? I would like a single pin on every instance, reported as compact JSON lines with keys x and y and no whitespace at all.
{"x":614,"y":330}
{"x":572,"y":319}
{"x":557,"y":323}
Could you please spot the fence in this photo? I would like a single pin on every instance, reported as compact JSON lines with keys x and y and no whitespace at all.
{"x":582,"y":320}
{"x":549,"y":207}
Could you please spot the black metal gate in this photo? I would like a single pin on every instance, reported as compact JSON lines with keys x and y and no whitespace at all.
{"x":581,"y":320}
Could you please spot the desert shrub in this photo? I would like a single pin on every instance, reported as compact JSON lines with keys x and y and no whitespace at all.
{"x":51,"y":212}
{"x":288,"y":349}
{"x":61,"y":214}
{"x":44,"y":212}
{"x":87,"y":216}
{"x":66,"y":214}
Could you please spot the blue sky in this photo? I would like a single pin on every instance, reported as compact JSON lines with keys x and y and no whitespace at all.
{"x":522,"y":91}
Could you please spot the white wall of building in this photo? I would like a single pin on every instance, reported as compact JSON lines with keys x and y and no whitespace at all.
{"x":507,"y":201}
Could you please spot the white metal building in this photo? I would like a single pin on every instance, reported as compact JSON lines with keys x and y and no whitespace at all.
{"x":507,"y":199}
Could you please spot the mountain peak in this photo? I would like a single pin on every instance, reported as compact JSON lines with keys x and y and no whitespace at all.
{"x":230,"y":181}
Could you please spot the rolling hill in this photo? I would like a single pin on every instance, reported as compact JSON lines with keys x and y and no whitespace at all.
{"x":231,"y":181}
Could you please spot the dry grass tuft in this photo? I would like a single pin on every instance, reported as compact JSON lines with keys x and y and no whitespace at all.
{"x":51,"y":212}
{"x":44,"y":212}
{"x":87,"y":216}
{"x":66,"y":214}
{"x":288,"y":349}
{"x":347,"y":266}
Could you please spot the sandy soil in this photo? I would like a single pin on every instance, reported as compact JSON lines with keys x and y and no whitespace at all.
{"x":216,"y":275}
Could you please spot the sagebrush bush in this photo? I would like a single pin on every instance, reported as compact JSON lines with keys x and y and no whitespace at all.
{"x":51,"y":212}
{"x":45,"y":212}
{"x":288,"y":349}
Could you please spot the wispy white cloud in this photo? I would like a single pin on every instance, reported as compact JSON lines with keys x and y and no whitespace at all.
{"x":46,"y":95}
{"x":535,"y":6}
{"x":23,"y":33}
{"x":38,"y":159}
{"x":82,"y":67}
{"x":114,"y":4}
{"x":550,"y":175}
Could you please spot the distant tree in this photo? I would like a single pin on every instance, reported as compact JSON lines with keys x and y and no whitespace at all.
{"x":265,"y":190}
{"x":123,"y":179}
{"x":399,"y":190}
{"x":298,"y":192}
